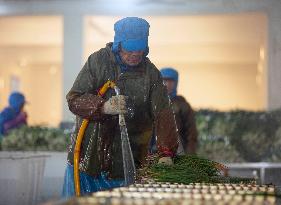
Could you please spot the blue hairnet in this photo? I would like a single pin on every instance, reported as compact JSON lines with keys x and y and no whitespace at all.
{"x":132,"y":33}
{"x":171,"y":73}
{"x":16,"y":101}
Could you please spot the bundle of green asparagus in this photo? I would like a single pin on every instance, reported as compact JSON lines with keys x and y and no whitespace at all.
{"x":186,"y":169}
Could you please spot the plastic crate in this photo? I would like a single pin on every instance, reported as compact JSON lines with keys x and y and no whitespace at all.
{"x":21,"y":176}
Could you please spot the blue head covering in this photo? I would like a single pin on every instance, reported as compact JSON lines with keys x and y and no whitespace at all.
{"x":16,"y":101}
{"x":132,"y":33}
{"x":172,"y":74}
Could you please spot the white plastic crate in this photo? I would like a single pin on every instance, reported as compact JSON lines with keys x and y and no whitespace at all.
{"x":21,"y":176}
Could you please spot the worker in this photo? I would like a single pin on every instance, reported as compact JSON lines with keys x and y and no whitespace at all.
{"x":184,"y":113}
{"x":13,"y":116}
{"x":143,"y":100}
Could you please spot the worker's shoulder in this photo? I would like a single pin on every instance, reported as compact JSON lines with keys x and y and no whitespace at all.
{"x":180,"y":98}
{"x":181,"y":101}
{"x":102,"y":54}
{"x":152,"y":68}
{"x":7,"y":114}
{"x":150,"y":65}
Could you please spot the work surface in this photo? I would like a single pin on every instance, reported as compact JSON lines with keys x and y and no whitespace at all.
{"x":170,"y":194}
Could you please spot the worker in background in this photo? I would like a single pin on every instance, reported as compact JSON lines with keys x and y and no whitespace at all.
{"x":183,"y":112}
{"x":13,"y":116}
{"x":143,"y":100}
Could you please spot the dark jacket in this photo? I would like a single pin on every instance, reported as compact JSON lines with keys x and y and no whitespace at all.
{"x":186,"y":124}
{"x":147,"y":101}
{"x":10,"y":119}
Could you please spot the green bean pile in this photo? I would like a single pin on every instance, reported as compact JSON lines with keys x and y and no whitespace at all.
{"x":186,"y":169}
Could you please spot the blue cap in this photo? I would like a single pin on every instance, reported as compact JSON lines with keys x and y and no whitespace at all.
{"x":16,"y":100}
{"x":132,"y":33}
{"x":169,"y":73}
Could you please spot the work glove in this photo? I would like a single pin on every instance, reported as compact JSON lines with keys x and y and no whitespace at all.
{"x":115,"y":105}
{"x":166,"y":161}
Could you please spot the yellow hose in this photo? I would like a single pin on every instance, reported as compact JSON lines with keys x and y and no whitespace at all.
{"x":77,"y":148}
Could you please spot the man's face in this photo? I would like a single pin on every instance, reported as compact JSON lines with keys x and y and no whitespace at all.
{"x":170,"y":84}
{"x":131,"y":58}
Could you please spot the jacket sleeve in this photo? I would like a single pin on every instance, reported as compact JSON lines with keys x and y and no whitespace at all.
{"x":17,"y":121}
{"x":189,"y":131}
{"x":82,"y":98}
{"x":164,"y":120}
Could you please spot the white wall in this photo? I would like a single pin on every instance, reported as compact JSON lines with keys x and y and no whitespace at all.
{"x":41,"y":85}
{"x":44,"y":94}
{"x":31,"y":51}
{"x":220,"y":86}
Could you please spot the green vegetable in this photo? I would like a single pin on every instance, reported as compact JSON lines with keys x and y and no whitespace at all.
{"x":239,"y":136}
{"x":35,"y":138}
{"x":186,"y":169}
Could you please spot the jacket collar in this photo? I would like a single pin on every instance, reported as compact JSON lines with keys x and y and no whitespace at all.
{"x":140,"y":68}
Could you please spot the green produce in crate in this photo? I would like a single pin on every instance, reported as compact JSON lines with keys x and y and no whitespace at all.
{"x":35,"y":138}
{"x":186,"y":169}
{"x":239,"y":135}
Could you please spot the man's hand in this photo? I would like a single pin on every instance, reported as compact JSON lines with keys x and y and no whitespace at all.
{"x":115,"y":105}
{"x":166,"y":161}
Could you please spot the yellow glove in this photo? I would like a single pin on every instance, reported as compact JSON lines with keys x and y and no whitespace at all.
{"x":166,"y":161}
